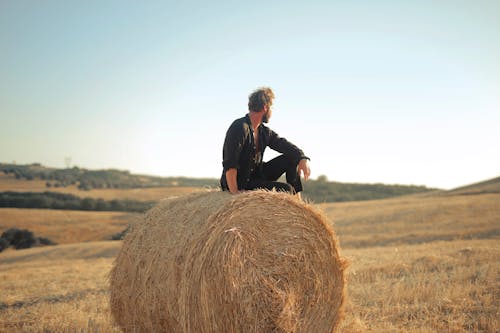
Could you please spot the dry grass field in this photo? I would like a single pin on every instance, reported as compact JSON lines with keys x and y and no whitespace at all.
{"x":67,"y":226}
{"x":10,"y":183}
{"x":415,"y":220}
{"x":56,"y":289}
{"x":445,"y":286}
{"x":417,"y":264}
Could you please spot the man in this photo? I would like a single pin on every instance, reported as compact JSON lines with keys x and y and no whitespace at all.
{"x":246,"y":140}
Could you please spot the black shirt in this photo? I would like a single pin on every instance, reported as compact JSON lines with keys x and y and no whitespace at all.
{"x":240,"y":152}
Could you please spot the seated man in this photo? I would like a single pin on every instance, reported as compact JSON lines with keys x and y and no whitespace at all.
{"x":246,"y":140}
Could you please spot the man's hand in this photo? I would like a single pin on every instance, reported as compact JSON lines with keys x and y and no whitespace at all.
{"x":303,"y":168}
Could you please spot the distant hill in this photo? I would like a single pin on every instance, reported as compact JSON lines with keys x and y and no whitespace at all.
{"x":487,"y":186}
{"x":92,"y":179}
{"x":324,"y":191}
{"x":320,"y":190}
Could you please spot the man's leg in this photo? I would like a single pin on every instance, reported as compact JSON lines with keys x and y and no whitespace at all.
{"x":269,"y":185}
{"x":278,"y":166}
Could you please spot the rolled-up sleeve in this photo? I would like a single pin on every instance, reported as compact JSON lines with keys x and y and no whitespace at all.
{"x":233,"y":145}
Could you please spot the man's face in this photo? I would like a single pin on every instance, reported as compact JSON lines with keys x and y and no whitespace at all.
{"x":267,"y":114}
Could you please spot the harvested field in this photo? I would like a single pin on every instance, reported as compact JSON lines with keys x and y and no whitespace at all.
{"x":447,"y":286}
{"x":412,"y":268}
{"x":416,"y":219}
{"x":66,"y":226}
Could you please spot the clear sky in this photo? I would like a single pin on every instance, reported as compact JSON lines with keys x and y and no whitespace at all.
{"x":373,"y":91}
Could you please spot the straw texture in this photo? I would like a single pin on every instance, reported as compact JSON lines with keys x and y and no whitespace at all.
{"x":213,"y":262}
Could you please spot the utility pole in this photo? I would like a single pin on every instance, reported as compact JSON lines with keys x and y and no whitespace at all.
{"x":67,"y":161}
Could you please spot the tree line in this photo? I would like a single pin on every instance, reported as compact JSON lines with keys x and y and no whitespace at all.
{"x":54,"y":200}
{"x":319,"y":190}
{"x":322,"y":190}
{"x":89,"y":179}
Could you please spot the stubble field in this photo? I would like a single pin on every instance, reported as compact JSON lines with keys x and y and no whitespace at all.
{"x":417,"y":264}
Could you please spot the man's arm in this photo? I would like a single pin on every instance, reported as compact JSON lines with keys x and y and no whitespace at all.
{"x":231,"y":180}
{"x":233,"y":145}
{"x":284,"y":146}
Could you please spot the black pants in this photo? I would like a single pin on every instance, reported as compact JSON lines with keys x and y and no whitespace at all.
{"x":272,"y":171}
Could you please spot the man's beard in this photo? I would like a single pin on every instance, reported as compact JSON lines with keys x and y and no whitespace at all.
{"x":265,"y":118}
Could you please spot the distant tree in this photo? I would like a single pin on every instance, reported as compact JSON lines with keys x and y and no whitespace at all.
{"x":3,"y":244}
{"x":19,"y":238}
{"x":45,"y":241}
{"x":9,"y":234}
{"x":117,"y":205}
{"x":85,"y":186}
{"x":22,"y":239}
{"x":100,"y":205}
{"x":87,"y":204}
{"x":322,"y":179}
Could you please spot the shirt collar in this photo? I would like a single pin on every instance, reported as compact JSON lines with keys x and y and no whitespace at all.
{"x":249,"y":122}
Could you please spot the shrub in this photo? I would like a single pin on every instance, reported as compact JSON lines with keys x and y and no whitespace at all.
{"x":120,"y":235}
{"x":84,"y":186}
{"x":45,"y":241}
{"x":100,"y":205}
{"x":9,"y":234}
{"x":19,"y":238}
{"x":87,"y":204}
{"x":22,"y":239}
{"x":3,"y":244}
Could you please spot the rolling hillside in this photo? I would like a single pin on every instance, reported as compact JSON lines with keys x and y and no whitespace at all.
{"x":487,"y":186}
{"x":10,"y":183}
{"x":67,"y":226}
{"x":415,"y":220}
{"x":417,"y":263}
{"x":118,"y":184}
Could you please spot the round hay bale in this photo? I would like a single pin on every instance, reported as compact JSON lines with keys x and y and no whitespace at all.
{"x":213,"y":262}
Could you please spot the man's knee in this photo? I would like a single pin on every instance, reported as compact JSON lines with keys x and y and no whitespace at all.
{"x":284,"y":187}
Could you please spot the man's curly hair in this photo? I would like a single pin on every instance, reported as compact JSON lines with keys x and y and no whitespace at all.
{"x":260,"y":98}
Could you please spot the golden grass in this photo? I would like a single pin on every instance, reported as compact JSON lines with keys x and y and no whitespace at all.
{"x":41,"y":256}
{"x":66,"y":226}
{"x":437,"y":287}
{"x":417,"y":264}
{"x":9,"y":183}
{"x":447,"y":286}
{"x":56,"y":292}
{"x":414,"y":220}
{"x":487,"y":186}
